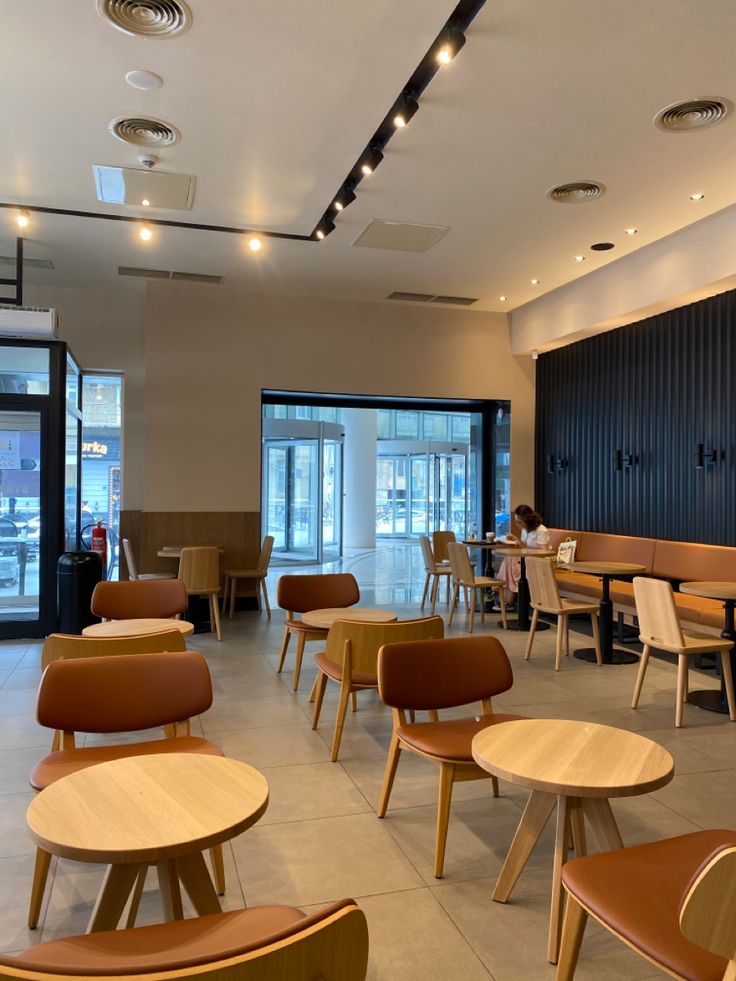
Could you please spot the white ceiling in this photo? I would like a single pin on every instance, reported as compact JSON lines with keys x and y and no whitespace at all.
{"x":275,"y":102}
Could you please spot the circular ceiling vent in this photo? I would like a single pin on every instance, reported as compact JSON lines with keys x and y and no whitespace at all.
{"x":694,"y":114}
{"x":146,"y":18}
{"x":576,"y":192}
{"x":144,"y":131}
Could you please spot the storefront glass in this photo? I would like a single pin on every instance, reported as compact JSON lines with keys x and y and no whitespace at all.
{"x":101,"y":460}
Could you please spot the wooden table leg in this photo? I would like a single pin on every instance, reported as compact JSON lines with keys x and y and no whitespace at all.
{"x":536,"y":814}
{"x":195,"y":878}
{"x":168,"y":884}
{"x":602,"y":823}
{"x":565,"y":807}
{"x":135,"y":897}
{"x":116,"y":887}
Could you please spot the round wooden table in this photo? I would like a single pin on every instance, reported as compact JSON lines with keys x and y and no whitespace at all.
{"x":707,"y":698}
{"x":323,"y":619}
{"x":161,"y":810}
{"x":134,"y":628}
{"x":575,"y":767}
{"x":522,"y":552}
{"x":607,"y":571}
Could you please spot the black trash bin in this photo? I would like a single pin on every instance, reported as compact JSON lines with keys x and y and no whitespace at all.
{"x":77,"y":574}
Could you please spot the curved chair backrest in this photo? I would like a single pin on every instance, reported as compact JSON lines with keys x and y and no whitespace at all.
{"x":366,"y":639}
{"x":429,"y":561}
{"x":440,"y":674}
{"x":129,"y":560}
{"x":123,"y":694}
{"x":707,"y":911}
{"x":462,"y":570}
{"x":139,"y":599}
{"x":440,"y":540}
{"x":656,"y":612}
{"x":199,"y":568}
{"x":264,"y":558}
{"x":331,"y":944}
{"x":542,"y":583}
{"x":300,"y":593}
{"x":58,"y":647}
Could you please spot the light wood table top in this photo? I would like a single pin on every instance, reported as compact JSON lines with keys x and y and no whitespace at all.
{"x":134,"y":628}
{"x":581,"y":759}
{"x":711,"y":590}
{"x":174,"y":551}
{"x":607,"y":568}
{"x":522,"y":552}
{"x":323,"y":619}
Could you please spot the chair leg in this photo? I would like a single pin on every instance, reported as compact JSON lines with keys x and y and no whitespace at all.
{"x":455,"y":599}
{"x":258,"y":596}
{"x":392,"y":762}
{"x":572,"y":938}
{"x":299,"y":655}
{"x":233,"y":590}
{"x":225,"y":587}
{"x":447,"y":776}
{"x":426,"y":590}
{"x":354,"y":701}
{"x":284,"y":645}
{"x":342,"y":708}
{"x":215,"y":615}
{"x":560,"y":634}
{"x":265,"y":596}
{"x":567,"y":636}
{"x":681,"y":682}
{"x":728,"y":683}
{"x":435,"y":590}
{"x":473,"y":596}
{"x":532,"y":629}
{"x":447,"y":596}
{"x":319,"y":693}
{"x":40,"y":876}
{"x":640,"y":676}
{"x":502,"y":600}
{"x":218,"y":869}
{"x":596,"y":638}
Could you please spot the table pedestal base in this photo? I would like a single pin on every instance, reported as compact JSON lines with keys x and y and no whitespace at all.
{"x":710,"y":699}
{"x":617,"y":656}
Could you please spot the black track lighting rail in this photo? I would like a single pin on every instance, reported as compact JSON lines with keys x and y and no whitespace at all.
{"x":451,"y":36}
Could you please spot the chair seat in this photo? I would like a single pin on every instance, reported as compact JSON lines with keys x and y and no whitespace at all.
{"x":442,"y":570}
{"x":60,"y":764}
{"x":638,"y":891}
{"x":334,"y":671}
{"x":163,"y":947}
{"x":245,"y":573}
{"x":293,"y":624}
{"x":568,"y":606}
{"x":704,"y":642}
{"x":484,"y":581}
{"x":450,"y":739}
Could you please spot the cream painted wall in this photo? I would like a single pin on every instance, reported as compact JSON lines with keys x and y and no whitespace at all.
{"x":209,"y":351}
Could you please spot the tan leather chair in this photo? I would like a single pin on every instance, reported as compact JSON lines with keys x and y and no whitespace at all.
{"x":111,"y":695}
{"x":265,"y":943}
{"x":351,"y":657}
{"x":671,"y":901}
{"x":258,"y":575}
{"x":463,"y":576}
{"x":300,"y":594}
{"x":441,"y":674}
{"x":435,"y":571}
{"x":139,"y":599}
{"x":659,"y":628}
{"x":199,"y":570}
{"x":545,"y":598}
{"x":133,"y":570}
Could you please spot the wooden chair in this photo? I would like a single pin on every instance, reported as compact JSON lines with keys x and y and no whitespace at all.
{"x":57,"y":647}
{"x":435,"y":571}
{"x":139,"y":599}
{"x":440,"y":541}
{"x":300,"y":594}
{"x":441,"y":674}
{"x":545,"y":598}
{"x":132,"y":569}
{"x":118,"y":694}
{"x":351,"y":656}
{"x":671,"y":901}
{"x":463,"y":576}
{"x":258,"y":574}
{"x":199,"y":570}
{"x":659,"y":628}
{"x":264,"y":943}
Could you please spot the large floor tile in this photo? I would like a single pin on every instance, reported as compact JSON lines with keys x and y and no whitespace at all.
{"x":279,"y":746}
{"x":706,"y":799}
{"x":233,"y":712}
{"x":312,"y":790}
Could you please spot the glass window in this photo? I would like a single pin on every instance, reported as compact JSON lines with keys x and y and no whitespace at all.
{"x":383,"y":423}
{"x":435,"y":425}
{"x":407,"y":425}
{"x":24,"y":370}
{"x":460,"y":428}
{"x":101,"y":461}
{"x":72,"y":382}
{"x":503,"y":468}
{"x":20,"y":514}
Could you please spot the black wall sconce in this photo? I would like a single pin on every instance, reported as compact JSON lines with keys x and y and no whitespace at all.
{"x":556,"y":463}
{"x":622,"y":461}
{"x":703,"y":456}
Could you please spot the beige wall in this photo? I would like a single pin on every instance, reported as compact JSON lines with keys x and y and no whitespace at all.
{"x":209,"y":351}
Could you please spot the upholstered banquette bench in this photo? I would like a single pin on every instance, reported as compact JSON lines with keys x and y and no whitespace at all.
{"x":676,"y":561}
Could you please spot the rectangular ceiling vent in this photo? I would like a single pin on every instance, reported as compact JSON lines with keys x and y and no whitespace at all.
{"x":144,"y":188}
{"x":453,"y":301}
{"x":9,"y":260}
{"x":167,"y":274}
{"x":400,"y":236}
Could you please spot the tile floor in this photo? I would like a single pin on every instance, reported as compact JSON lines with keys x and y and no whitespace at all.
{"x":320,"y":839}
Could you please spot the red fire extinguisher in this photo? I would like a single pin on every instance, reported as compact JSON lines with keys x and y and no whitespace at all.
{"x":99,"y":543}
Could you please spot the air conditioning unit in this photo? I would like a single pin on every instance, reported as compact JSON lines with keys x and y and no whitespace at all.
{"x":38,"y":322}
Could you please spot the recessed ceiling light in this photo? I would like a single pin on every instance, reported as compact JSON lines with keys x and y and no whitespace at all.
{"x":630,"y":231}
{"x":146,"y":203}
{"x":145,"y":234}
{"x":579,"y":258}
{"x":534,"y":282}
{"x":697,"y":197}
{"x":503,"y":299}
{"x":255,"y":244}
{"x":144,"y":80}
{"x":23,"y":217}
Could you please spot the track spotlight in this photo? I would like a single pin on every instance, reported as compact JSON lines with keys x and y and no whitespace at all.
{"x":370,"y":161}
{"x":405,"y":109}
{"x":324,"y":228}
{"x":450,"y":43}
{"x":23,"y":218}
{"x":344,"y":198}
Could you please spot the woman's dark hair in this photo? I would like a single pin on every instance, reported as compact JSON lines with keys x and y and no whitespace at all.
{"x":528,"y":517}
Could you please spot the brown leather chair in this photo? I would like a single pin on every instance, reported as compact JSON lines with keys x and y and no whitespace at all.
{"x":139,"y":599}
{"x":111,"y":695}
{"x":441,"y":674}
{"x":266,"y":943}
{"x":351,"y":656}
{"x":300,"y":594}
{"x":671,"y":901}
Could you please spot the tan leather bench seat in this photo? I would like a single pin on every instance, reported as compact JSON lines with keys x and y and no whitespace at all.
{"x":579,"y":583}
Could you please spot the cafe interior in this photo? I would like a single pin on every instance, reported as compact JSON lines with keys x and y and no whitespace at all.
{"x":367,"y":467}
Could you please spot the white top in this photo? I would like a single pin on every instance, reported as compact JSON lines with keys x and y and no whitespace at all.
{"x":539,"y":538}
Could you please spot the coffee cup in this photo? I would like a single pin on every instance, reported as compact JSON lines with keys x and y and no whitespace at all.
{"x":490,"y":536}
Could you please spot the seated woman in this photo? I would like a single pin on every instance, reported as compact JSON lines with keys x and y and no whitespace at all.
{"x":533,"y":535}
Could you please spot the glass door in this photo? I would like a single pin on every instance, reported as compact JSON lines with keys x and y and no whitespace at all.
{"x":449,"y":492}
{"x":391,"y":495}
{"x":331,"y":499}
{"x":419,"y":496}
{"x":291,"y":497}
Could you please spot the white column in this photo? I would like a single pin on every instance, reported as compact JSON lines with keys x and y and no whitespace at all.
{"x":360,"y":478}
